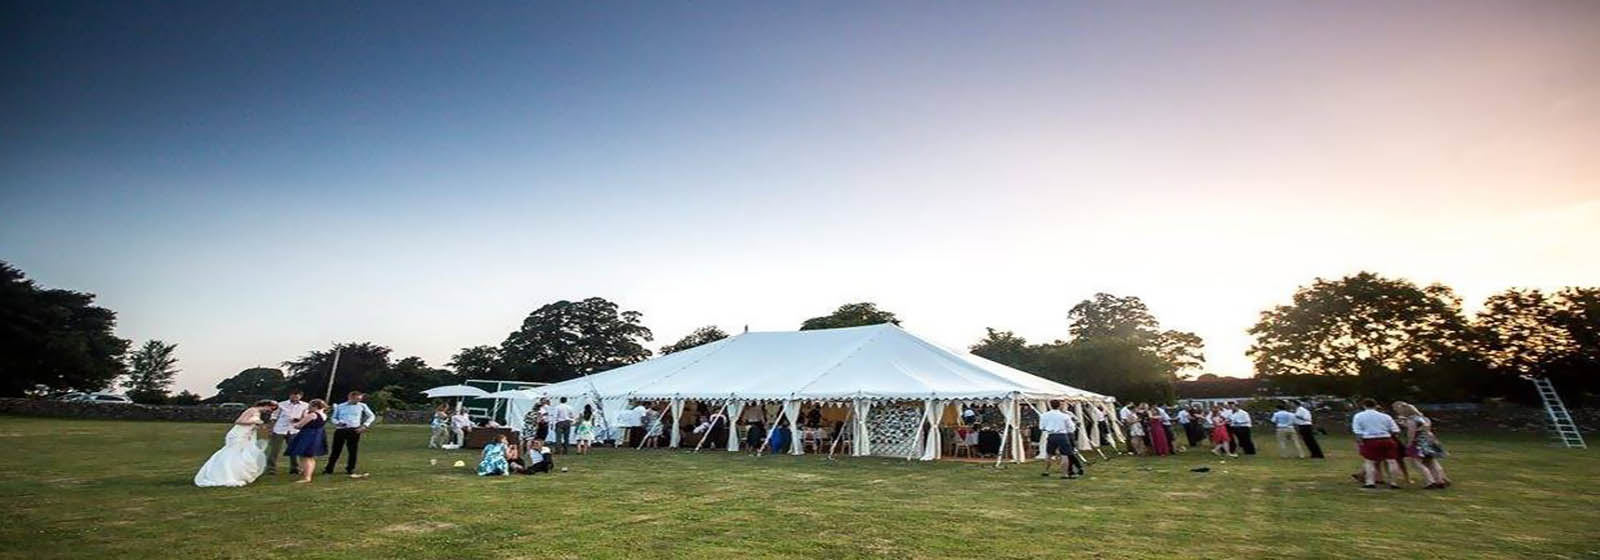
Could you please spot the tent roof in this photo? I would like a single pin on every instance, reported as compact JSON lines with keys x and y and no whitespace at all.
{"x":875,"y":362}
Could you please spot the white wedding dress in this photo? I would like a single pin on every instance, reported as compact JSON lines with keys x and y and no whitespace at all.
{"x":242,"y":458}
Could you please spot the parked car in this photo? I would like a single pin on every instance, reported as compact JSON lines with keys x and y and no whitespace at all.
{"x":100,"y":398}
{"x":232,"y":405}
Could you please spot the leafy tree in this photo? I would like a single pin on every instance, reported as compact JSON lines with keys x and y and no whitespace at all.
{"x":702,"y":335}
{"x":479,"y":362}
{"x":388,"y":398}
{"x":1528,"y":332}
{"x":360,"y":364}
{"x":186,"y":398}
{"x":1109,"y":365}
{"x":851,"y":315}
{"x":151,"y":369}
{"x":561,"y":340}
{"x":1518,"y":331}
{"x":1358,"y":323}
{"x":1007,"y":348}
{"x":409,"y":377}
{"x":1106,"y":315}
{"x":1578,"y":311}
{"x":1181,"y":349}
{"x":251,"y":385}
{"x":55,"y":338}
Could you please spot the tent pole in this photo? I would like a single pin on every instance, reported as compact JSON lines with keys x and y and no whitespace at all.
{"x":849,"y":416}
{"x":713,"y":426}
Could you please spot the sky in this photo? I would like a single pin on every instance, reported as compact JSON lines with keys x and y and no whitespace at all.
{"x":256,"y":180}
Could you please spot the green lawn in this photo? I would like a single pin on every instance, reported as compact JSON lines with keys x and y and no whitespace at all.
{"x":77,"y":489}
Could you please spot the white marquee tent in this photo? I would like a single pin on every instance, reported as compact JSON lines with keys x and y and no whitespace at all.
{"x":862,"y":369}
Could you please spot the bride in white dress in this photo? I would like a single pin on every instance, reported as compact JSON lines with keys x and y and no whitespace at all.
{"x":243,"y":456}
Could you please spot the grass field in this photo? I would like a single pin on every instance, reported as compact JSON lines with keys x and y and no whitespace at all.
{"x":79,"y":489}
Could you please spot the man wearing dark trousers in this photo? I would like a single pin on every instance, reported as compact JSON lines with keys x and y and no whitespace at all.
{"x":1059,"y":429}
{"x":350,"y":418}
{"x":1308,"y":433}
{"x":1239,"y":426}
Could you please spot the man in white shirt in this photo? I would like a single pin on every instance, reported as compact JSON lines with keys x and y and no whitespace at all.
{"x":1059,"y":427}
{"x":1166,"y":425}
{"x":1375,"y":440}
{"x":1128,"y":418}
{"x":1283,"y":422}
{"x":561,"y":416}
{"x":350,"y":419}
{"x":283,"y":420}
{"x":460,"y":424}
{"x":1307,"y":430}
{"x":1239,"y":426}
{"x":1098,"y":415}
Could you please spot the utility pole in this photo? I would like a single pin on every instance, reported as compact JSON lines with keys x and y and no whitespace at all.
{"x":328,"y":396}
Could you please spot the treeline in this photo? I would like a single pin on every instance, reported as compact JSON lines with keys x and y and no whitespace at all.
{"x":1369,"y":335}
{"x":1359,"y":335}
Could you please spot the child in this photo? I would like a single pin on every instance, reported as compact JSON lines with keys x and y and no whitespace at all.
{"x":585,"y":431}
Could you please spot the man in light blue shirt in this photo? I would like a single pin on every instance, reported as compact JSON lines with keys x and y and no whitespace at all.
{"x":350,"y":418}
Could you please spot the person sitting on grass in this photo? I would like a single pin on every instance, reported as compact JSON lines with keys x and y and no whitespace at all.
{"x":494,"y":458}
{"x":538,"y":458}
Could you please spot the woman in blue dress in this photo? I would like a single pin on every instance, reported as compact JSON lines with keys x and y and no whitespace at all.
{"x":494,"y":458}
{"x":309,"y":442}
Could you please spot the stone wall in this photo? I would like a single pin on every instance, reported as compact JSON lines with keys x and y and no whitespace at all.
{"x":201,"y":413}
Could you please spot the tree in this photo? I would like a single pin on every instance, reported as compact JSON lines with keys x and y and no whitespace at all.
{"x":479,"y":362}
{"x":151,"y":369}
{"x":55,"y":338}
{"x":186,"y":398}
{"x":1106,"y":315}
{"x":1358,"y":323}
{"x":562,"y":340}
{"x":1518,"y":331}
{"x":1183,"y":350}
{"x":1528,"y":332}
{"x":702,"y":335}
{"x":851,"y":315}
{"x":409,"y":377}
{"x":1110,"y":365}
{"x":1007,"y":348}
{"x":252,"y":385}
{"x":360,"y":364}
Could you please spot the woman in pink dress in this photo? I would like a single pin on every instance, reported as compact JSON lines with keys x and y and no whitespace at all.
{"x":1158,"y":436}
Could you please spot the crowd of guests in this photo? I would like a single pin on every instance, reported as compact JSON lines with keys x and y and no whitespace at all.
{"x":1385,"y":443}
{"x":1391,"y":446}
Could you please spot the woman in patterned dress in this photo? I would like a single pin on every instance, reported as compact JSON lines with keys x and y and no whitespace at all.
{"x":1424,"y":448}
{"x":494,"y":458}
{"x":584,"y":432}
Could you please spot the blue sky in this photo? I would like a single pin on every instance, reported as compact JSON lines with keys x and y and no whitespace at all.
{"x":253,"y":181}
